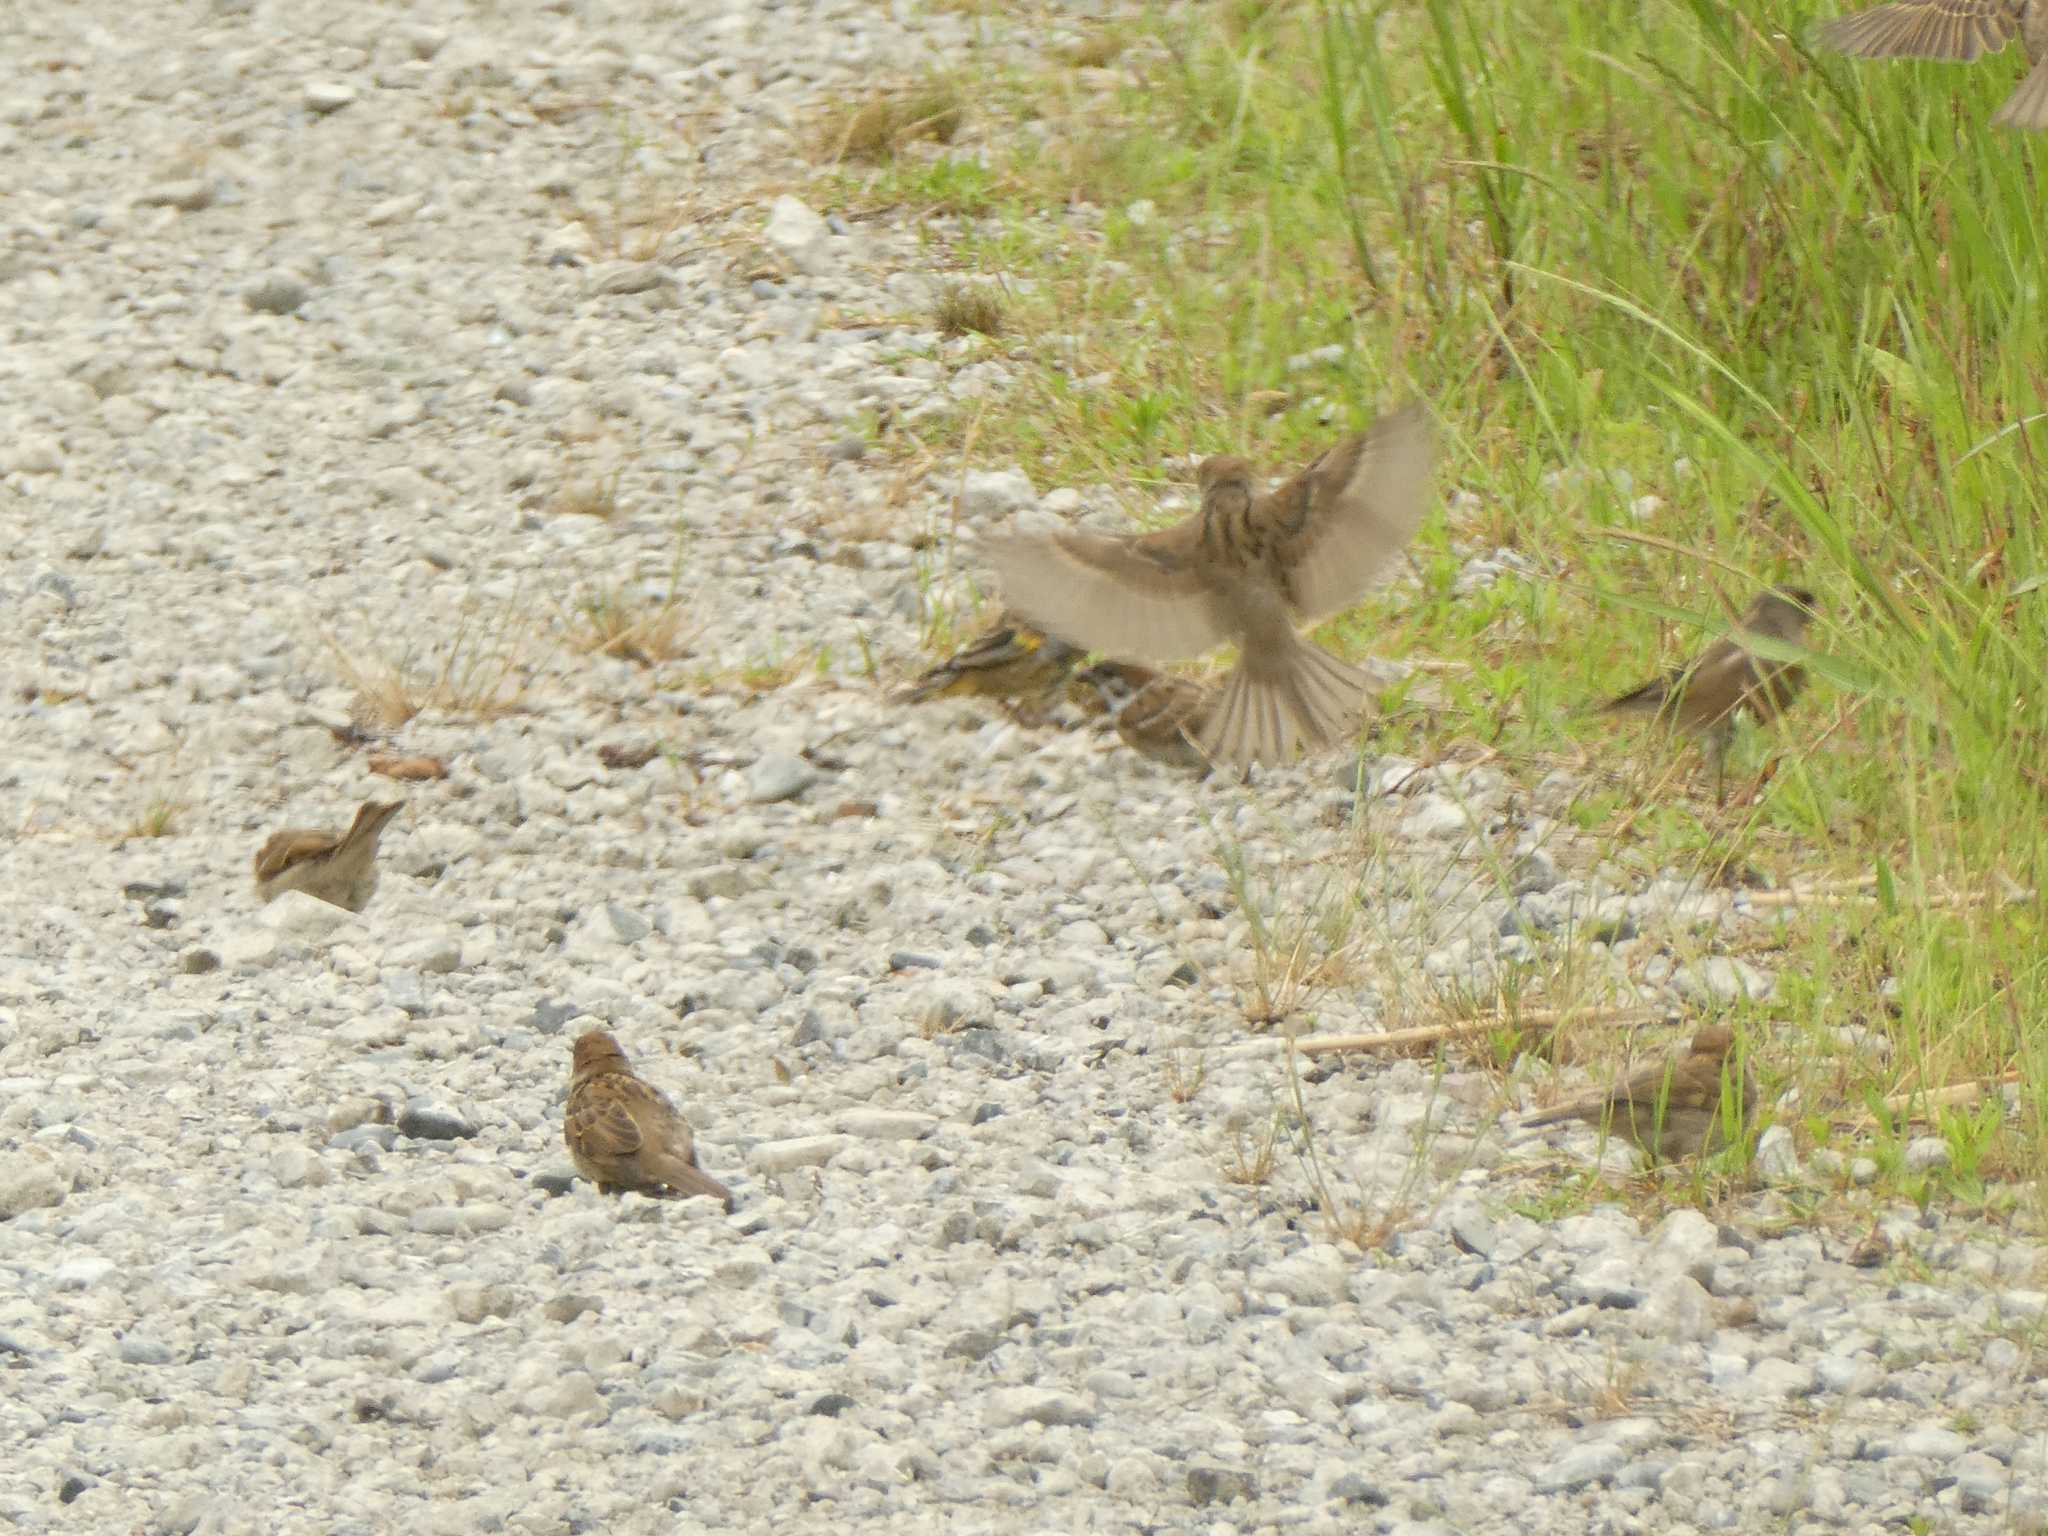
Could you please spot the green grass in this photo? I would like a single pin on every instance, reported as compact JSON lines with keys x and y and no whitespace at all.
{"x":1698,"y":310}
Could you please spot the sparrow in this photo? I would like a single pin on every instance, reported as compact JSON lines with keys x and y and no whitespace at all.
{"x":1246,"y":569}
{"x":1673,"y":1109}
{"x":341,"y":870}
{"x":1963,"y":30}
{"x":1157,"y":714}
{"x":1008,"y":660}
{"x":623,"y":1133}
{"x":1706,"y":694}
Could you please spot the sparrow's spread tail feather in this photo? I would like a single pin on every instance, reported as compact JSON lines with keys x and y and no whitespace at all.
{"x":2027,"y":107}
{"x":1274,"y":706}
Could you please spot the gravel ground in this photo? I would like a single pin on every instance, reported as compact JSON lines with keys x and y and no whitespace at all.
{"x":317,"y":322}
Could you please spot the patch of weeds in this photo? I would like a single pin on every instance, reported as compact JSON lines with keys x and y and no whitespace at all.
{"x":768,"y":674}
{"x":1352,"y":1218}
{"x":876,"y":126}
{"x":1095,"y":51}
{"x":1616,"y":1395}
{"x":610,"y":622}
{"x":962,"y":308}
{"x":1185,"y":1071}
{"x":591,"y":494}
{"x":158,"y":817}
{"x":1295,"y":956}
{"x":643,"y":207}
{"x":1251,"y":1159}
{"x":479,"y":670}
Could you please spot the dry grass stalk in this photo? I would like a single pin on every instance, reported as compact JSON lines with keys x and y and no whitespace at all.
{"x":1431,"y":1034}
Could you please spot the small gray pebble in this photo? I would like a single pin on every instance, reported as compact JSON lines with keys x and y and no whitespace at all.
{"x":426,"y":1120}
{"x":275,"y":293}
{"x":1219,"y":1485}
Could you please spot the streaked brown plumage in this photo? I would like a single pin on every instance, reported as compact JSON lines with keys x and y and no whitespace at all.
{"x":341,"y":870}
{"x":623,"y":1133}
{"x":1706,"y":694}
{"x":1962,"y":30}
{"x":1673,"y":1108}
{"x":1155,"y":713}
{"x":1008,"y":660}
{"x":1246,"y":569}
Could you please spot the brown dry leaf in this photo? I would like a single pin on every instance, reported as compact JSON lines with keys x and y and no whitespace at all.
{"x":413,"y":769}
{"x":627,"y":757}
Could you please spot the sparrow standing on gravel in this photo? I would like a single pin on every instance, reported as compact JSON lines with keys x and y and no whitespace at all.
{"x":1157,"y":714}
{"x":1008,"y":660}
{"x":1247,"y":569}
{"x":341,"y":870}
{"x":623,"y":1133}
{"x":1962,"y":30}
{"x":1673,"y":1109}
{"x":1705,"y":695}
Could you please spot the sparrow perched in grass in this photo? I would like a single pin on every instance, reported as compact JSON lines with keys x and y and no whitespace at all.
{"x":1706,"y":694}
{"x":1008,"y":660}
{"x":623,"y":1133}
{"x":341,"y":870}
{"x":1672,"y":1109}
{"x":1157,"y":714}
{"x":1963,"y":30}
{"x":1247,"y":569}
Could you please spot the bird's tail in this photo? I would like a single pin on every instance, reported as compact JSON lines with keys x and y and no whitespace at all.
{"x":369,"y":823}
{"x":689,"y":1179}
{"x":930,"y":684}
{"x":1652,"y":698}
{"x":2027,"y":107}
{"x":1275,"y":705}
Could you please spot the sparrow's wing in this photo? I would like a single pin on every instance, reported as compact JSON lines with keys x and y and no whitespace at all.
{"x":1716,"y":685}
{"x":600,"y":1120}
{"x":1123,"y":597}
{"x":1339,"y":523}
{"x":292,"y":846}
{"x":1925,"y":29}
{"x":1640,"y":1092}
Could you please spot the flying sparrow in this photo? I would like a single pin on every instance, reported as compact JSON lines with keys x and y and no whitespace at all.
{"x":1246,"y":569}
{"x":1672,"y":1109}
{"x":1008,"y":660}
{"x":341,"y":870}
{"x":1963,"y":30}
{"x":623,"y":1133}
{"x":1157,"y":714}
{"x":1706,"y":694}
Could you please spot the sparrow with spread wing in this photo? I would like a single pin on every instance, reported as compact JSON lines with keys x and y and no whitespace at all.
{"x":1247,"y":569}
{"x":1705,"y":695}
{"x":340,"y":870}
{"x":1962,"y":30}
{"x":623,"y":1133}
{"x":1675,"y":1108}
